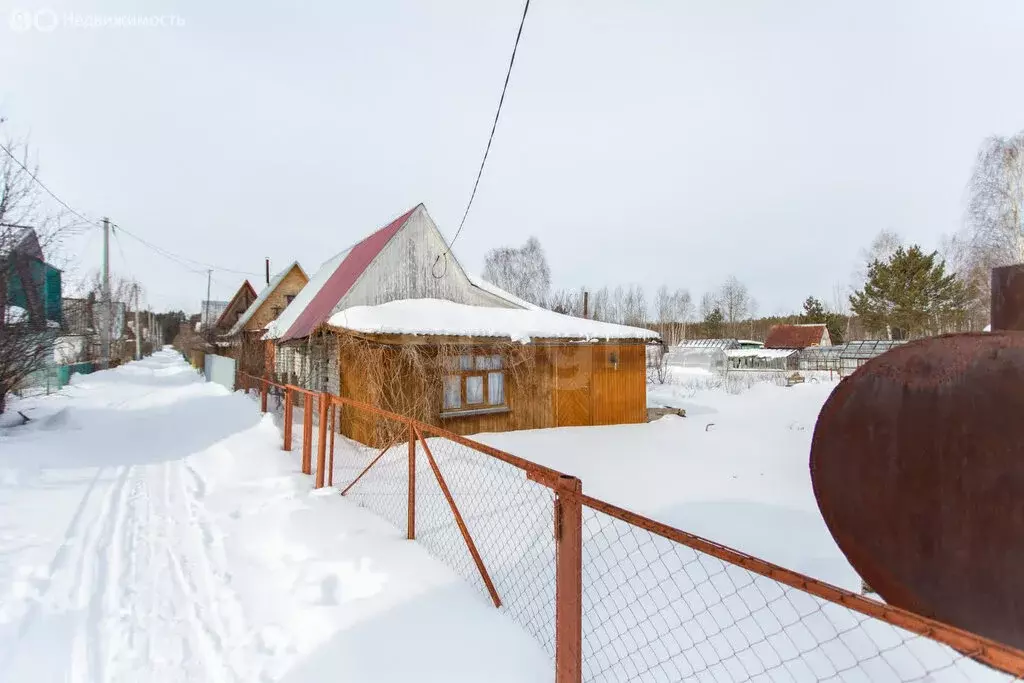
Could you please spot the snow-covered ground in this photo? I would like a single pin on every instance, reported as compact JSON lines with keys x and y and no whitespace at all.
{"x":151,"y":529}
{"x":734,"y":470}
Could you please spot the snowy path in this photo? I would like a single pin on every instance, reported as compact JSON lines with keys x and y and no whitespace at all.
{"x":151,"y":529}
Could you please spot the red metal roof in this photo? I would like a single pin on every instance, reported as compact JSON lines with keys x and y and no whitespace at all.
{"x":794,"y":336}
{"x":352,"y":266}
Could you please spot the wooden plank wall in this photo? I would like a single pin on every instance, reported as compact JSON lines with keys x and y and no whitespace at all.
{"x":618,"y":395}
{"x":613,"y":395}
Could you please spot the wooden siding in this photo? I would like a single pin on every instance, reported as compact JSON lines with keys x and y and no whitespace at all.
{"x":407,"y":268}
{"x":290,"y":285}
{"x":242,"y":299}
{"x":573,"y":379}
{"x":574,"y":384}
{"x":618,"y":395}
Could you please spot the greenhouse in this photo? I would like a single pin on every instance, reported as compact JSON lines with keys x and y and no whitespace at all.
{"x":762,"y":359}
{"x":844,"y":358}
{"x":820,"y":357}
{"x":702,"y":354}
{"x":856,"y":353}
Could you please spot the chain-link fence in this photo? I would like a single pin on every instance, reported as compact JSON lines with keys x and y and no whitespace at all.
{"x":658,"y":609}
{"x":612,"y":595}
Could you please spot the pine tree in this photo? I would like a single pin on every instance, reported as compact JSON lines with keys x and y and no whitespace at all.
{"x":909,"y":295}
{"x":814,"y":312}
{"x":714,"y":323}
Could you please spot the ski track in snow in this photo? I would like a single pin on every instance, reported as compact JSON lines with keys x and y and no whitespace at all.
{"x":140,"y":557}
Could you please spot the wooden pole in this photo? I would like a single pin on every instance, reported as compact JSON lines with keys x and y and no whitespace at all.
{"x":568,"y":580}
{"x":321,"y":443}
{"x":263,"y":396}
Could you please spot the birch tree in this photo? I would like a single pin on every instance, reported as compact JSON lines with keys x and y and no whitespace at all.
{"x":522,"y":271}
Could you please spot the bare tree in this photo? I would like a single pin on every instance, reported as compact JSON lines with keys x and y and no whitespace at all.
{"x":27,"y":231}
{"x":567,"y":301}
{"x":672,"y":311}
{"x":599,"y":305}
{"x":995,"y":207}
{"x":634,"y":310}
{"x":682,"y":304}
{"x":735,"y":301}
{"x":882,"y":248}
{"x":708,"y":303}
{"x":122,"y":299}
{"x":522,"y":271}
{"x":993,"y":232}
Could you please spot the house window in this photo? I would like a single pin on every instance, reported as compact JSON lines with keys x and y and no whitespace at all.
{"x":474,"y":382}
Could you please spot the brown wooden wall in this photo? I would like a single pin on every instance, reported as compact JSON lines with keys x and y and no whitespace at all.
{"x":290,"y":285}
{"x":567,"y":385}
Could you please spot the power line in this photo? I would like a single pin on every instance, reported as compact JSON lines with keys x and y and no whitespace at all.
{"x":48,"y":190}
{"x":494,"y":126}
{"x":184,"y":261}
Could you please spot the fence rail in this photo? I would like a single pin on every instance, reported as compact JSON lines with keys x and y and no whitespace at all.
{"x":610,"y":594}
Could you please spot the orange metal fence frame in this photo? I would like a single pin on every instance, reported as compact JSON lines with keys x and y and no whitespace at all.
{"x":568,"y":515}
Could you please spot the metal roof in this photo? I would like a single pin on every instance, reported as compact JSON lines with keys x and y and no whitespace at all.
{"x":341,"y":279}
{"x":708,"y":343}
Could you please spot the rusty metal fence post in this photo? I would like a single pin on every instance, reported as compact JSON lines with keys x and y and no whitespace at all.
{"x":287,"y":419}
{"x":321,"y":442}
{"x":330,"y":464}
{"x":568,"y":580}
{"x":307,"y":434}
{"x":411,"y":523}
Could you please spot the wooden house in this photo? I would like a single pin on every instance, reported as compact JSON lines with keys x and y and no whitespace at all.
{"x":244,"y":339}
{"x":396,"y":322}
{"x":229,"y":312}
{"x":797,"y":336}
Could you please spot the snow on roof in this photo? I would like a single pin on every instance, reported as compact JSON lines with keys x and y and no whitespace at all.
{"x":483,"y":284}
{"x":759,"y":353}
{"x":261,"y":299}
{"x":277,"y":328}
{"x":439,"y":317}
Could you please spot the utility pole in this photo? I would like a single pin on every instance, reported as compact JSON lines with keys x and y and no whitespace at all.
{"x":138,"y":328}
{"x":109,"y":321}
{"x":209,"y":276}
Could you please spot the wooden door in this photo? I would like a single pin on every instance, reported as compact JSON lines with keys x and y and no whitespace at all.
{"x":573,"y":369}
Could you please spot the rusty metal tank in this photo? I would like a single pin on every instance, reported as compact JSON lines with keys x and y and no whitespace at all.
{"x":917,"y":464}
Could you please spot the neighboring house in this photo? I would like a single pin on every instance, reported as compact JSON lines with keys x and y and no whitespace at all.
{"x":29,"y":282}
{"x":396,"y":322}
{"x":212,"y":311}
{"x":244,"y":340}
{"x":234,"y":309}
{"x":797,"y":336}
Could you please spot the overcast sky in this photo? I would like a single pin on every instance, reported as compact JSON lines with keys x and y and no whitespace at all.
{"x":658,"y":142}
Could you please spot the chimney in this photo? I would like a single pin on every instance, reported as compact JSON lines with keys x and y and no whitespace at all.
{"x":268,"y":270}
